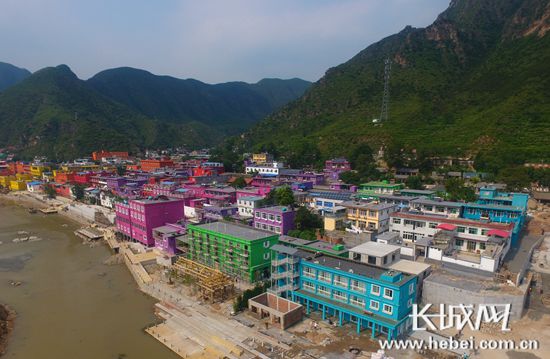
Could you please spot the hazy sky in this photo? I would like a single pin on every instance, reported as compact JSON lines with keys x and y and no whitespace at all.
{"x":210,"y":40}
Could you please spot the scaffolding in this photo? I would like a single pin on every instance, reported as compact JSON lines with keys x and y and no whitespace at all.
{"x":213,"y":285}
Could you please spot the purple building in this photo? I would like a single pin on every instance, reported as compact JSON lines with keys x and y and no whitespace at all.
{"x":115,"y":183}
{"x":334,"y":167}
{"x":137,"y":218}
{"x":277,"y":219}
{"x":166,"y":237}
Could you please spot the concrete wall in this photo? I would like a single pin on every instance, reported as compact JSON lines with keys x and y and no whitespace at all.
{"x":445,"y":293}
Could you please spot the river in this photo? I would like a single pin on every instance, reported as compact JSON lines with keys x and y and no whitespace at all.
{"x":70,"y":304}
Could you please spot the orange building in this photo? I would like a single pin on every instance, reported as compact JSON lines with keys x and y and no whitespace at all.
{"x":98,"y":155}
{"x":64,"y":177}
{"x":154,"y":164}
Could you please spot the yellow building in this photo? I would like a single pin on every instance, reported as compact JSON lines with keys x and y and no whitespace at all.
{"x":81,"y":167}
{"x":369,"y":216}
{"x":17,"y":185}
{"x":5,"y":181}
{"x":23,"y":177}
{"x":261,"y":158}
{"x":37,"y":170}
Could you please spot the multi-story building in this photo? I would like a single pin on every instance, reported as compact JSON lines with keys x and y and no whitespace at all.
{"x":276,"y":219}
{"x":497,"y":213}
{"x":37,"y":169}
{"x":441,"y":208}
{"x":412,"y":226}
{"x":261,"y":158}
{"x":491,"y":195}
{"x":137,"y":218}
{"x":150,"y":165}
{"x":369,"y":297}
{"x":247,"y":205}
{"x":269,"y":169}
{"x":99,"y":155}
{"x":374,"y":188}
{"x":239,"y":251}
{"x":334,"y":167}
{"x":417,"y":193}
{"x":399,"y":200}
{"x":365,"y":216}
{"x":375,"y":253}
{"x":167,"y":236}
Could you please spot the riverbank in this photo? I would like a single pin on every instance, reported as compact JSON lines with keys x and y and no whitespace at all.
{"x":29,"y":200}
{"x":7,"y":321}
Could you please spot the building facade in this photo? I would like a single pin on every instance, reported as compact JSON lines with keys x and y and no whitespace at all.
{"x":364,"y":216}
{"x":239,"y":251}
{"x":276,"y":219}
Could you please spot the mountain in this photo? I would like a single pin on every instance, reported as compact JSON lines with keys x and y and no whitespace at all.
{"x":54,"y":113}
{"x":476,"y":82}
{"x":228,"y":107}
{"x":10,"y":75}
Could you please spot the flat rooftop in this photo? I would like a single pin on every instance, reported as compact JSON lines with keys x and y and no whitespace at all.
{"x":432,"y":202}
{"x":411,"y":267}
{"x":375,"y":249}
{"x":368,"y":205}
{"x":354,"y":267}
{"x":293,"y":240}
{"x":230,"y":229}
{"x":275,"y":209}
{"x":325,"y":247}
{"x":455,"y":221}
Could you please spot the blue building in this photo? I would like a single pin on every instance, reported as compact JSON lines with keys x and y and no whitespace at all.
{"x":497,"y":213}
{"x":369,"y":297}
{"x":490,"y":195}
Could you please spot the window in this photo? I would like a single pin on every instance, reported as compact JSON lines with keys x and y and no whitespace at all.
{"x":460,"y":229}
{"x":396,"y":221}
{"x":432,"y":225}
{"x":324,"y":277}
{"x":266,"y":256}
{"x":266,"y":244}
{"x":355,"y":300}
{"x":357,"y":286}
{"x":428,"y":208}
{"x":459,"y":242}
{"x":484,"y":232}
{"x":472,"y":230}
{"x":339,"y":295}
{"x":258,"y":225}
{"x":375,"y":289}
{"x":388,"y":309}
{"x":374,"y":305}
{"x":309,"y":272}
{"x":271,"y":217}
{"x":264,"y":215}
{"x":277,"y":229}
{"x":308,"y":286}
{"x":278,"y":218}
{"x":440,"y":209}
{"x":409,"y":236}
{"x":323,"y":290}
{"x":482,"y":245}
{"x":388,"y":293}
{"x":257,"y":214}
{"x":340,"y":281}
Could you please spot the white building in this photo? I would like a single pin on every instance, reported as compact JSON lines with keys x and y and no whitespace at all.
{"x":375,"y":253}
{"x":271,"y":168}
{"x":106,"y":199}
{"x":247,"y":205}
{"x":442,"y":208}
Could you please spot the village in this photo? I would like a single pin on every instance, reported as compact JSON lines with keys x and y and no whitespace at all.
{"x":278,"y":262}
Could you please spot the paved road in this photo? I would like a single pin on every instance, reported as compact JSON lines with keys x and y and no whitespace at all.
{"x":517,"y":255}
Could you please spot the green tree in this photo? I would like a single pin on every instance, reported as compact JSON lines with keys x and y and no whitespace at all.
{"x":239,"y":182}
{"x":305,"y":219}
{"x":516,"y":178}
{"x":120,"y":170}
{"x":414,"y":182}
{"x":284,"y":196}
{"x":350,"y":177}
{"x":78,"y":191}
{"x":457,"y":191}
{"x":49,"y":190}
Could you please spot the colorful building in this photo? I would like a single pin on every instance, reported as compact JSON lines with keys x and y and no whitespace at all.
{"x":64,"y":177}
{"x":276,"y":219}
{"x":497,"y":213}
{"x":247,"y":205}
{"x":440,"y":208}
{"x":368,"y":297}
{"x":334,"y":167}
{"x":261,"y":158}
{"x":150,"y":165}
{"x":18,"y":185}
{"x":239,"y":251}
{"x":36,"y":170}
{"x":99,"y":155}
{"x":374,"y":188}
{"x":491,"y":195}
{"x":137,"y":218}
{"x":365,"y":216}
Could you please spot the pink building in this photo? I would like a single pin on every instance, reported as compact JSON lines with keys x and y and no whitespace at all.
{"x":137,"y":218}
{"x":253,"y":191}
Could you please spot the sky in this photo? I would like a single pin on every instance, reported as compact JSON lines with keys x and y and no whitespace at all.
{"x":209,"y":40}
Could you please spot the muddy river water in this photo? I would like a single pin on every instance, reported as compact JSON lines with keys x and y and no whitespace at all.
{"x":69,"y":303}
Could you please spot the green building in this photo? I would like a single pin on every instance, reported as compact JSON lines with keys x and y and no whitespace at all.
{"x":374,"y":188}
{"x":239,"y":251}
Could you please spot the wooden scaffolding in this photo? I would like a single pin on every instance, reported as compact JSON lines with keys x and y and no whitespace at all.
{"x":213,"y":285}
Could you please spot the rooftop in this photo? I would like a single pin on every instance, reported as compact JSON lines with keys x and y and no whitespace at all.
{"x":375,"y":249}
{"x":293,"y":240}
{"x":276,"y":209}
{"x":368,"y":205}
{"x":337,"y":195}
{"x":455,"y":221}
{"x":350,"y":266}
{"x":493,"y":206}
{"x":437,"y":203}
{"x":251,"y":198}
{"x":411,"y":267}
{"x":418,"y":191}
{"x":320,"y":246}
{"x":234,"y":230}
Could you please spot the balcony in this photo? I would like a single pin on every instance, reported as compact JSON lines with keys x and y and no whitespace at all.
{"x":282,"y":288}
{"x":279,"y":275}
{"x":287,"y":260}
{"x":244,"y":254}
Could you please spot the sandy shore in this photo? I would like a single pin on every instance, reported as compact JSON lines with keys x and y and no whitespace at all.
{"x":7,"y":319}
{"x":30,"y":200}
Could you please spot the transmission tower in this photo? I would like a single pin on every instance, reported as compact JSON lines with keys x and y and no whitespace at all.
{"x":386,"y":94}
